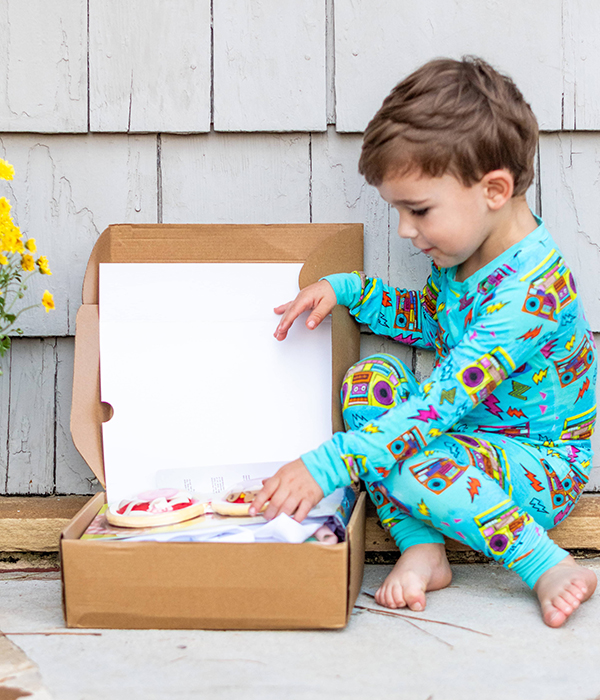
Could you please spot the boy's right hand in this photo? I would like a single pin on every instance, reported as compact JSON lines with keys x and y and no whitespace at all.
{"x":319,"y":297}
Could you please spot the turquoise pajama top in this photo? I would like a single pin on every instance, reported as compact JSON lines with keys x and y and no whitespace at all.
{"x":515,"y":356}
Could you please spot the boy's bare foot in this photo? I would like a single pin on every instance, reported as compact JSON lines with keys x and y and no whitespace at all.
{"x":562,"y":589}
{"x":421,"y":568}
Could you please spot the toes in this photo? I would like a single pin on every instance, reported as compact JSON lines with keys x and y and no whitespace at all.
{"x":415,"y":600}
{"x":390,"y":596}
{"x":554,"y":617}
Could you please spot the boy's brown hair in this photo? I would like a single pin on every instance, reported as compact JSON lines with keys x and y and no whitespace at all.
{"x":457,"y":117}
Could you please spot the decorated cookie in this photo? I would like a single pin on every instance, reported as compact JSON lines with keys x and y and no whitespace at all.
{"x":238,"y":499}
{"x":155,"y":508}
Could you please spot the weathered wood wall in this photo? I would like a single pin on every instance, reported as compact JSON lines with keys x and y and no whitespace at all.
{"x":248,"y":111}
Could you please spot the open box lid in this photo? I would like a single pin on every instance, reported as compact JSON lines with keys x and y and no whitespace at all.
{"x":322,"y":248}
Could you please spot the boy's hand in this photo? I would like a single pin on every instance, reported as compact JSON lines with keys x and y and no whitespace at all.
{"x":319,"y":297}
{"x":291,"y":490}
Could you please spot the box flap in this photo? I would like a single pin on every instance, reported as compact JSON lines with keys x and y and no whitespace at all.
{"x":323,"y":248}
{"x":327,"y":248}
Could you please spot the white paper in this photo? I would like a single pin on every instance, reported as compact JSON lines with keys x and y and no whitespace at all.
{"x":208,"y":482}
{"x":195,"y":377}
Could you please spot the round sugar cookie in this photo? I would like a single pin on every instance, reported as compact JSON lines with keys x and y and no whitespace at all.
{"x":237,"y":501}
{"x":155,"y":508}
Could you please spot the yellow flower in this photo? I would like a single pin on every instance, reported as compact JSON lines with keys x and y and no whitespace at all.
{"x":28,"y":263}
{"x":3,"y":260}
{"x":4,"y":206}
{"x":48,"y":301}
{"x":30,"y":245}
{"x":42,"y":261}
{"x":11,"y":239}
{"x":7,"y":172}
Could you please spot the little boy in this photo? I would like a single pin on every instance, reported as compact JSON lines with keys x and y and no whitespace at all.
{"x":494,"y":448}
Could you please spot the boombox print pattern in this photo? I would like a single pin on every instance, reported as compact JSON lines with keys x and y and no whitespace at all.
{"x":508,"y":410}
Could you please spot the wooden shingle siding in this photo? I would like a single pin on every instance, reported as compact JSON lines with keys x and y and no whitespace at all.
{"x":378,"y":42}
{"x":150,"y":64}
{"x":235,"y":178}
{"x":269,"y":65}
{"x":43,"y":66}
{"x":570,"y":176}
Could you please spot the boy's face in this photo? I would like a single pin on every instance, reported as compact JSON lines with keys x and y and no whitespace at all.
{"x":446,"y":220}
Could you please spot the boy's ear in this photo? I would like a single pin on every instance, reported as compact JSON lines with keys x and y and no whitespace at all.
{"x":498,"y":188}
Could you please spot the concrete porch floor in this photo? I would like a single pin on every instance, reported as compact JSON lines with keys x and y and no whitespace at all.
{"x":506,"y":651}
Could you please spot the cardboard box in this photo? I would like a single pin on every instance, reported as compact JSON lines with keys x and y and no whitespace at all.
{"x":208,"y":585}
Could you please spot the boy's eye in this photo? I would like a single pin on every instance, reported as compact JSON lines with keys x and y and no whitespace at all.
{"x":419,"y":212}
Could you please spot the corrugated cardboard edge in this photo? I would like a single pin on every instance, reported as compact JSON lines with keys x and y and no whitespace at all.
{"x":324,"y":249}
{"x":356,"y":552}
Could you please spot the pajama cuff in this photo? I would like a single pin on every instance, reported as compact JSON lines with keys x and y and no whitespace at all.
{"x":347,"y":287}
{"x":322,"y":464}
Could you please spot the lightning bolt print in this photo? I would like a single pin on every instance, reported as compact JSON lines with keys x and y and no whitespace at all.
{"x":465,"y":301}
{"x":448,"y":395}
{"x":548,"y":349}
{"x":473,"y":489}
{"x":537,"y":378}
{"x":495,"y":307}
{"x":536,"y":504}
{"x":386,"y":301}
{"x":370,"y":428}
{"x":570,"y":344}
{"x":518,"y":390}
{"x":491,"y":404}
{"x":531,"y":334}
{"x":536,"y":484}
{"x":426,"y":416}
{"x":516,"y":413}
{"x":423,"y":509}
{"x":584,"y":388}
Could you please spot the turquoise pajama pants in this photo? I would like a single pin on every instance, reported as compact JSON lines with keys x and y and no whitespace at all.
{"x":492,"y":492}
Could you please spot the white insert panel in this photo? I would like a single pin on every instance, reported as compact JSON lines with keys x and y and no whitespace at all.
{"x":225,"y":391}
{"x":379,"y":42}
{"x":150,"y":65}
{"x":43,"y":65}
{"x":269,"y":65}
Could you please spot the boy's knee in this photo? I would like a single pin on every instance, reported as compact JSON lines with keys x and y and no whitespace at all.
{"x":373,"y":386}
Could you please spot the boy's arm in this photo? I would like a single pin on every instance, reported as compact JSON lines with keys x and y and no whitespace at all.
{"x":406,"y":316}
{"x":502,"y":338}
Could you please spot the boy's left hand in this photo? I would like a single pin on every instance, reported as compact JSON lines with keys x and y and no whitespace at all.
{"x":291,"y":490}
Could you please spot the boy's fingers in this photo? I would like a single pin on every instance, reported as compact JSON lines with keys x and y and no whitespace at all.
{"x":282,"y":308}
{"x":303,"y":510}
{"x":269,"y":487}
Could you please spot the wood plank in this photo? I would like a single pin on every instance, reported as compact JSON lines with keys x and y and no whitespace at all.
{"x":269,"y":65}
{"x":43,"y":79}
{"x":4,"y":405}
{"x":66,"y":191}
{"x":236,"y":178}
{"x":570,"y":172}
{"x":580,"y":530}
{"x":30,"y":460}
{"x":378,"y":42}
{"x":72,"y":474}
{"x":581,"y":30}
{"x":339,"y":193}
{"x":34,"y":524}
{"x":150,"y":65}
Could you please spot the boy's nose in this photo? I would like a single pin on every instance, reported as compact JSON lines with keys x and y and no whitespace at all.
{"x":406,"y":229}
